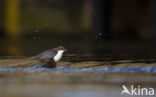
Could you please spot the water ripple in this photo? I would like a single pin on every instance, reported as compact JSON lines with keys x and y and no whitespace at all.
{"x":151,"y":69}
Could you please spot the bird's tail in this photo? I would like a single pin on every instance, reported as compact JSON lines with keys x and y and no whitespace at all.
{"x":32,"y":58}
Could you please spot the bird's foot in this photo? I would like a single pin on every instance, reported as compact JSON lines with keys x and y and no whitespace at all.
{"x":49,"y":65}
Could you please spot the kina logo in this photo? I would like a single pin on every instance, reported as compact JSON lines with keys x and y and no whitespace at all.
{"x":138,"y":90}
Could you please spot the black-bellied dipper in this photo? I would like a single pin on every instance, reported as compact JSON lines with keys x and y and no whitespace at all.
{"x":50,"y":57}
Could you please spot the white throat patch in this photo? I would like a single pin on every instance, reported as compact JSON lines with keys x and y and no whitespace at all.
{"x":58,"y":56}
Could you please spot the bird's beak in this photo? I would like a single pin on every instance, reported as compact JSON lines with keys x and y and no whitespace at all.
{"x":65,"y":50}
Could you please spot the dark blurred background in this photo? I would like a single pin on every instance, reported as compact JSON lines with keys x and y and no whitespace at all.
{"x":109,"y":28}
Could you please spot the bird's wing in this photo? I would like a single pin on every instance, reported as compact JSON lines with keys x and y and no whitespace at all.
{"x":48,"y":54}
{"x":45,"y":55}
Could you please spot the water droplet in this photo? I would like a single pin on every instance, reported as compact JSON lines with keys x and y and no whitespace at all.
{"x":100,"y":34}
{"x":77,"y":56}
{"x":26,"y":21}
{"x":96,"y":36}
{"x":36,"y":31}
{"x":85,"y":37}
{"x":43,"y":10}
{"x":46,"y":24}
{"x":78,"y":51}
{"x":95,"y":13}
{"x":34,"y":38}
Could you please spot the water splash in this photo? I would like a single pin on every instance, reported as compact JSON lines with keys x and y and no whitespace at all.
{"x":36,"y":31}
{"x":35,"y":68}
{"x":98,"y":35}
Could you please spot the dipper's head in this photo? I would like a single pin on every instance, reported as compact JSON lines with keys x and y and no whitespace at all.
{"x":60,"y":50}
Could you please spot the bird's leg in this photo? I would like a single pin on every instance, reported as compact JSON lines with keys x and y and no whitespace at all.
{"x":49,"y":64}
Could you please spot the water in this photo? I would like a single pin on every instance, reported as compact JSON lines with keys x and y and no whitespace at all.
{"x":78,"y":79}
{"x":151,"y":69}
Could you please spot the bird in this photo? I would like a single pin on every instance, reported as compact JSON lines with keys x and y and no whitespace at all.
{"x":50,"y":57}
